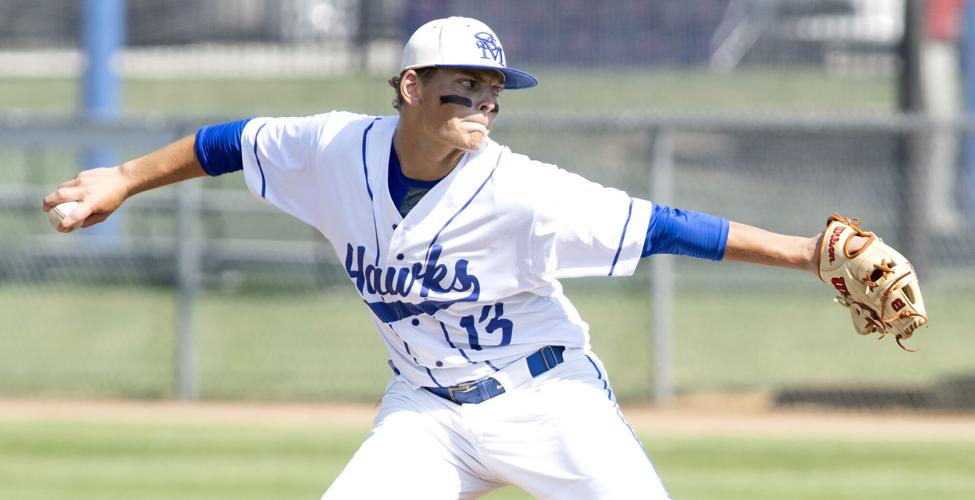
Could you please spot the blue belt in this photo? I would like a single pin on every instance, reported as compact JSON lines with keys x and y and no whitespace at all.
{"x":473,"y":393}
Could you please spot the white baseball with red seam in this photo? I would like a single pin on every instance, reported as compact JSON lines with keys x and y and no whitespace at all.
{"x":59,"y":212}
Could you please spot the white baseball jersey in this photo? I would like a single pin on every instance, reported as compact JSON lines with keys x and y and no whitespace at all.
{"x":467,"y":282}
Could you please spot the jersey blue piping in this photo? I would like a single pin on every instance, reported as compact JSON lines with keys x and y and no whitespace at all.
{"x":463,"y":207}
{"x":599,"y":375}
{"x":416,"y":362}
{"x":392,"y":349}
{"x":430,"y":373}
{"x":487,"y":362}
{"x":365,"y":171}
{"x":446,"y":337}
{"x":259,"y":168}
{"x":629,"y":213}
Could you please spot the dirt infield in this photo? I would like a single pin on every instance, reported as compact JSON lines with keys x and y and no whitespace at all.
{"x":702,"y":415}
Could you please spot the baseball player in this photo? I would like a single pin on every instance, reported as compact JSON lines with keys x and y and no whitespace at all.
{"x":457,"y":245}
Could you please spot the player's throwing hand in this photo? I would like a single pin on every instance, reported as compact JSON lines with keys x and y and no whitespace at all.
{"x":99,"y":192}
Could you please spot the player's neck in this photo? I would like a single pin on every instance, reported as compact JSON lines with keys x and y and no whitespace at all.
{"x":422,"y":159}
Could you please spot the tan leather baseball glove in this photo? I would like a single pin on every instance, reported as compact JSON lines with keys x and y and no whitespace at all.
{"x":876,"y":282}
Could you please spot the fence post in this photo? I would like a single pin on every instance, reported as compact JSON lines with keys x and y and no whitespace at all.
{"x":188,"y":256}
{"x":968,"y":65}
{"x":913,"y":154}
{"x":662,"y":271}
{"x":103,"y":37}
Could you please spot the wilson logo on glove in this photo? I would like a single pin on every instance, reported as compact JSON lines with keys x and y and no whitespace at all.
{"x":833,"y":238}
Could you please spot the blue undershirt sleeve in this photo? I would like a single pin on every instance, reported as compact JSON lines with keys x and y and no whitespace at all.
{"x":218,"y":147}
{"x":685,"y":232}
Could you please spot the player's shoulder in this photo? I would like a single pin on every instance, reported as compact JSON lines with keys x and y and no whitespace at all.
{"x":538,"y":187}
{"x":332,"y":119}
{"x":521,"y":181}
{"x":346,"y":124}
{"x":519,"y":169}
{"x":346,"y":118}
{"x":312,"y":130}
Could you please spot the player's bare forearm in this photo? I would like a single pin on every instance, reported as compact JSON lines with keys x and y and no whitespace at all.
{"x":169,"y":165}
{"x":100,"y":191}
{"x":758,"y":246}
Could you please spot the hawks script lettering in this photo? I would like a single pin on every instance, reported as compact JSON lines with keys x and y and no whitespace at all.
{"x":432,"y":275}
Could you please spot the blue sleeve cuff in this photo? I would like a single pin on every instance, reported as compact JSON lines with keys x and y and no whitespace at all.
{"x":685,"y":232}
{"x":218,"y":147}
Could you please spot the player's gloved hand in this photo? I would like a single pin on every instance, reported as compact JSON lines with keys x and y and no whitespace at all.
{"x":99,"y":191}
{"x":875,"y":282}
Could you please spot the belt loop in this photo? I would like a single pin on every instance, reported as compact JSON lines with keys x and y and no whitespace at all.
{"x":546,"y":351}
{"x":482,"y":388}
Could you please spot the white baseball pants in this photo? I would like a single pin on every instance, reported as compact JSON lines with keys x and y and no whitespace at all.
{"x":559,"y":436}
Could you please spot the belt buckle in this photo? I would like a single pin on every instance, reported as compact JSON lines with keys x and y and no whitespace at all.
{"x":463,"y":389}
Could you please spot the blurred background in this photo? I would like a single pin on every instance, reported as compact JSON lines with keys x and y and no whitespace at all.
{"x":775,"y":113}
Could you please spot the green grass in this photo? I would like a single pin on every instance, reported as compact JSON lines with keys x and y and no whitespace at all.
{"x":119,"y":342}
{"x":666,"y":89}
{"x":48,"y":460}
{"x":102,"y":461}
{"x":752,"y":468}
{"x":806,"y":339}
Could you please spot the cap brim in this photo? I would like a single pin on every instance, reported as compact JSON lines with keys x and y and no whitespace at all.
{"x":518,"y":79}
{"x":513,"y":78}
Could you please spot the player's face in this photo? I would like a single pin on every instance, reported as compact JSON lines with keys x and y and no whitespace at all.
{"x":459,"y":106}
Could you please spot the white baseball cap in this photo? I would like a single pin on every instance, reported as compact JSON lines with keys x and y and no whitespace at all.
{"x":461,"y":42}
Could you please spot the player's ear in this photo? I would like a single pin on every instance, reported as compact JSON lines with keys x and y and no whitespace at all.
{"x":409,"y":87}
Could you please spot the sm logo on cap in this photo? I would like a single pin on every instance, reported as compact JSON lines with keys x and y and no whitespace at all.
{"x":489,"y":47}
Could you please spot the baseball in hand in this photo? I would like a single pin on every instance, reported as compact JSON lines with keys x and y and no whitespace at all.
{"x":58,"y":213}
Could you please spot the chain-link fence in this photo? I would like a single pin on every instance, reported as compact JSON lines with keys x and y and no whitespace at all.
{"x":772,"y":113}
{"x":270,"y":314}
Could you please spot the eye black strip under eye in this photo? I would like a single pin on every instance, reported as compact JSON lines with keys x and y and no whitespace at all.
{"x":457,"y":99}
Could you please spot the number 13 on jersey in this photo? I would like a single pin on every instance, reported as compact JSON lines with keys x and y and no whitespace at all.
{"x":497,"y":322}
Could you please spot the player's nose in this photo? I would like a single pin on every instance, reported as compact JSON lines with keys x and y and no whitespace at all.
{"x":488,"y":105}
